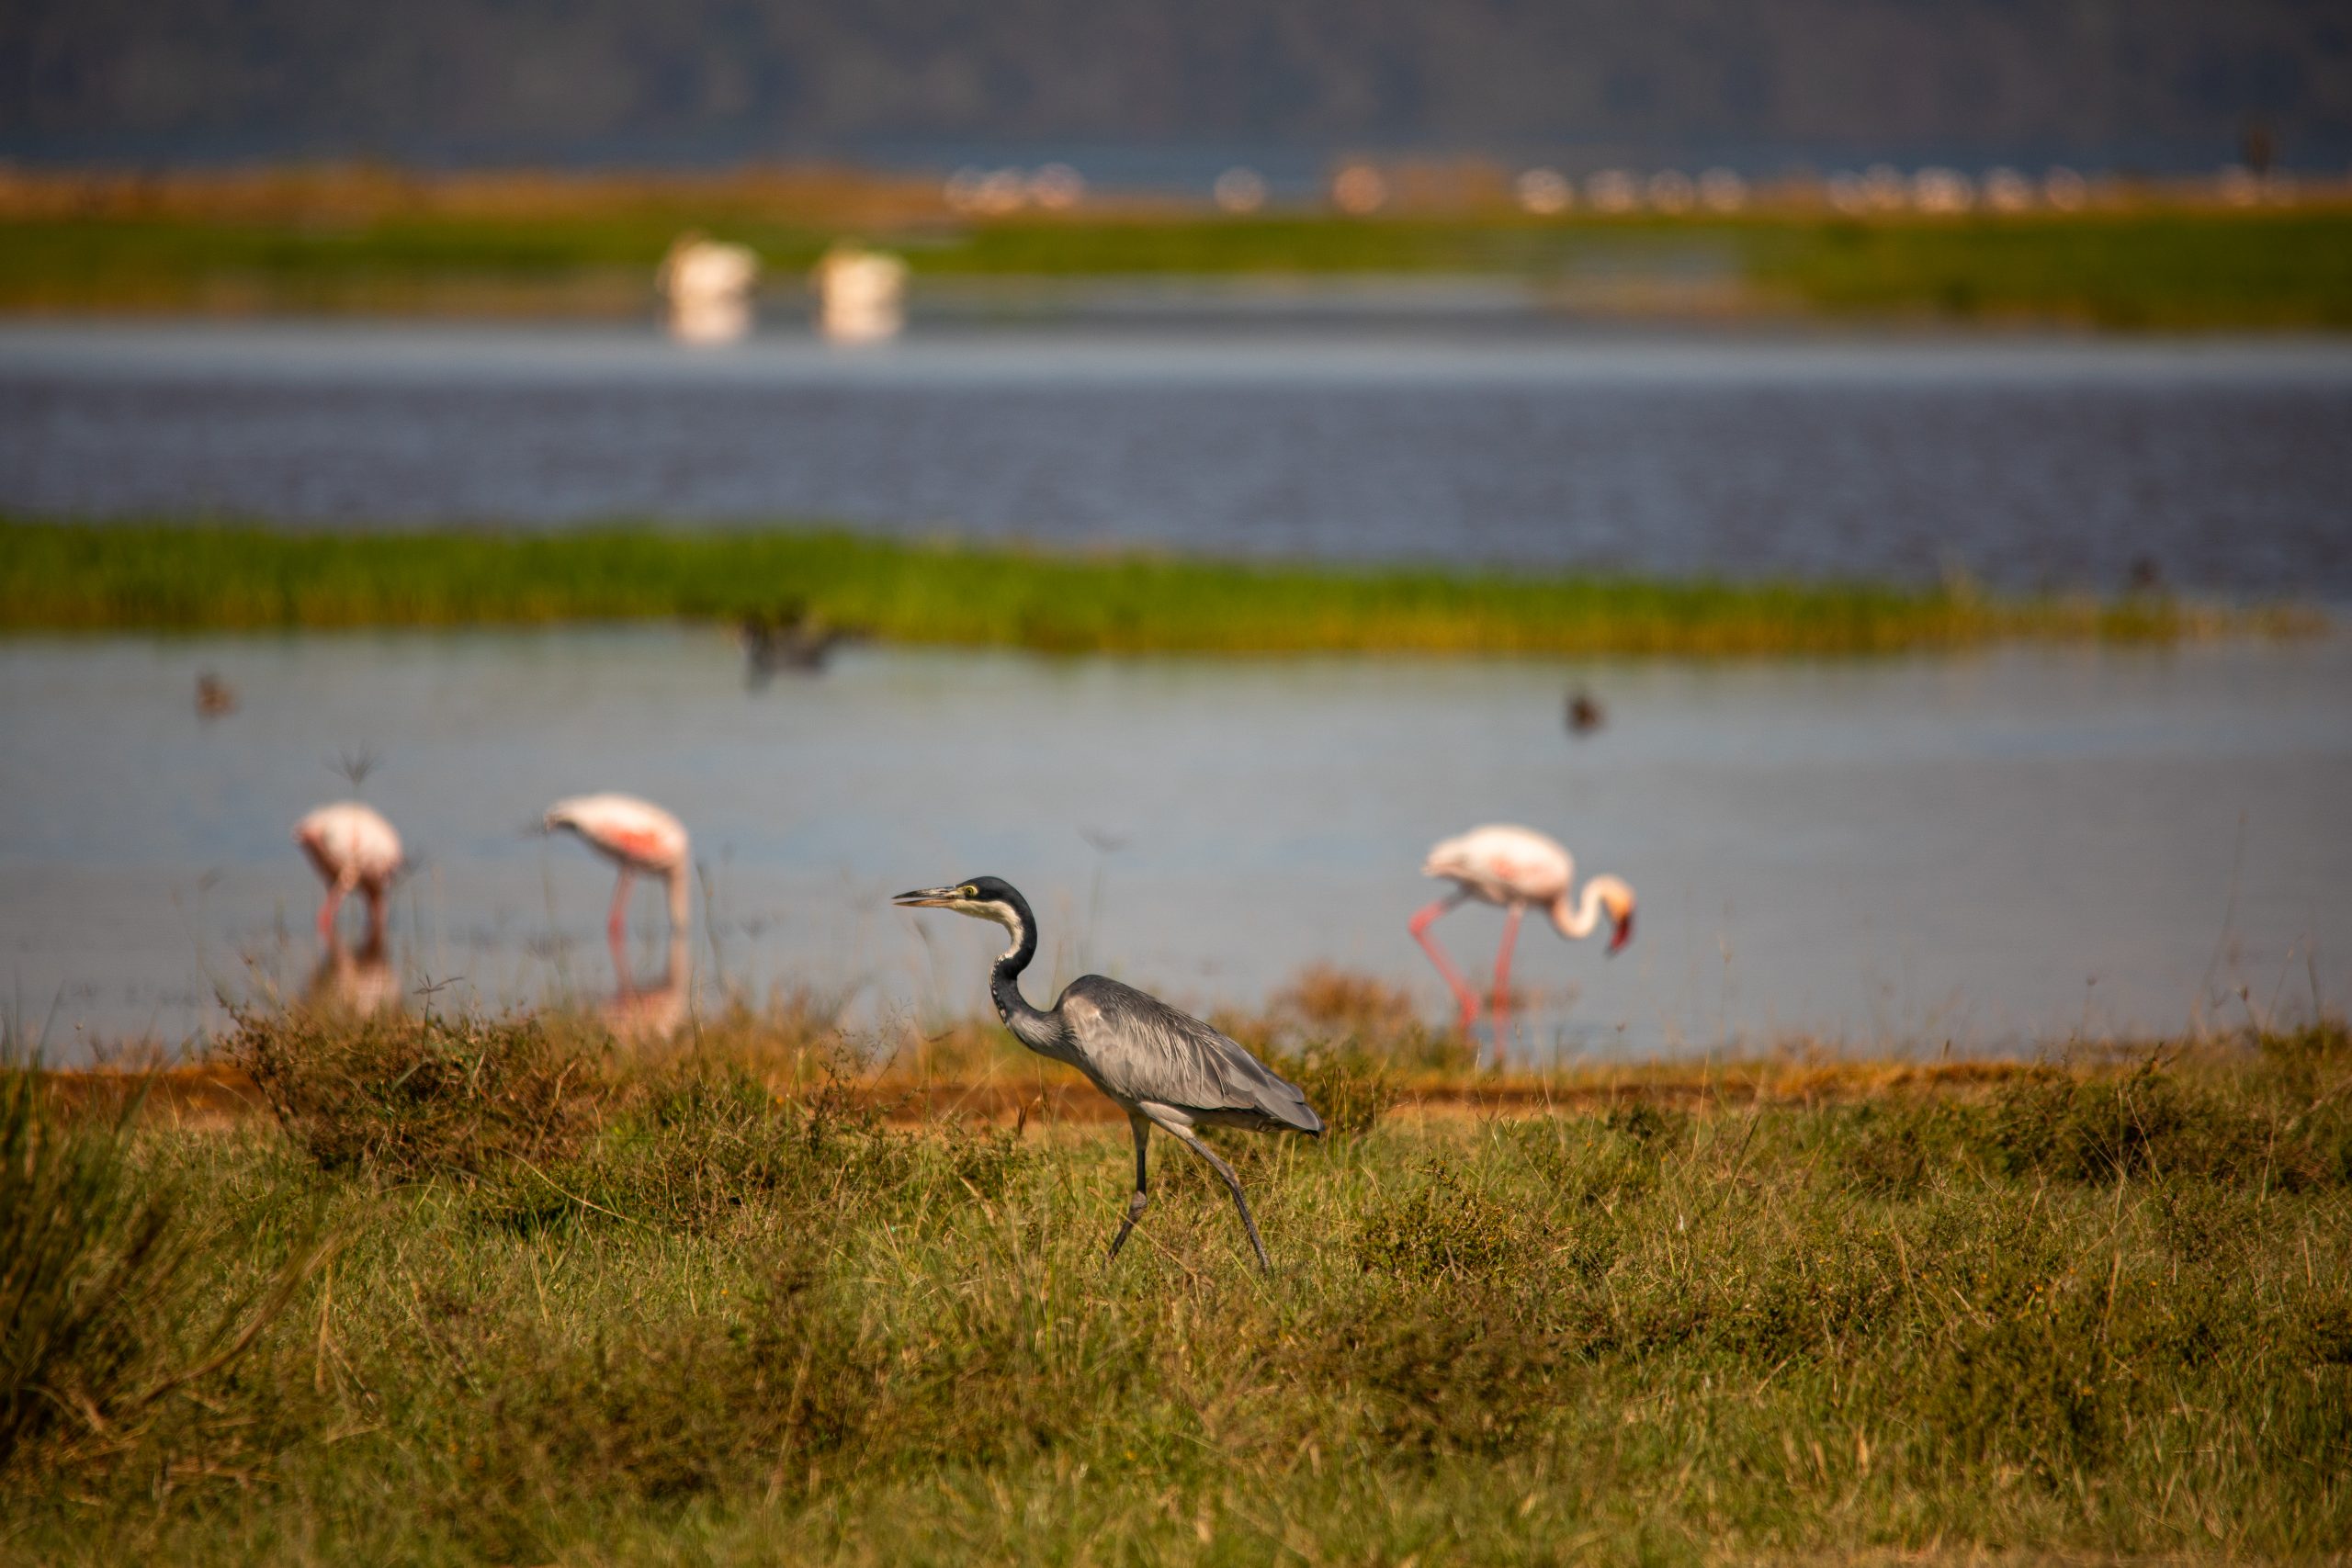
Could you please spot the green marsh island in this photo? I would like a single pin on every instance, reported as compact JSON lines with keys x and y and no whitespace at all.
{"x":64,"y":577}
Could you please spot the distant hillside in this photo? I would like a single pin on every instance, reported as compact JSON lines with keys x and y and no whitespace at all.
{"x":2155,"y":81}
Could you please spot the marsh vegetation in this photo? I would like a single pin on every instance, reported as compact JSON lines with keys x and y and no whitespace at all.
{"x":518,"y":1296}
{"x":66,"y":576}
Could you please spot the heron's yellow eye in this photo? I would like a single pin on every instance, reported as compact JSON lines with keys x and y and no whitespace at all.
{"x":969,"y":891}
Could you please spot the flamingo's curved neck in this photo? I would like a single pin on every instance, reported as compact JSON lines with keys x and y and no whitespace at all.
{"x":676,"y":879}
{"x":1578,"y":922}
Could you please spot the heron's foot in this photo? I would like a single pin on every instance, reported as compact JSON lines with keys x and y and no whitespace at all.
{"x":1265,"y":1264}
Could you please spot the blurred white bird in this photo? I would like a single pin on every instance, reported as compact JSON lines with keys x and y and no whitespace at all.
{"x":708,"y":286}
{"x":353,"y":848}
{"x":860,"y":295}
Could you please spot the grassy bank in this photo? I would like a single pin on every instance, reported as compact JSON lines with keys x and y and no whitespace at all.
{"x":539,"y":253}
{"x":56,"y":577}
{"x":489,"y":1291}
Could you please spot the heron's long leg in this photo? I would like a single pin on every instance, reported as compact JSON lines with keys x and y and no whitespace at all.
{"x":1500,"y":1014}
{"x":1232,"y":1185}
{"x":1460,"y":987}
{"x":1135,"y":1204}
{"x":619,"y":923}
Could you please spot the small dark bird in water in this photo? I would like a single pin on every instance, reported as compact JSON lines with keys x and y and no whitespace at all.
{"x":1585,"y":712}
{"x":792,"y":640}
{"x":214,"y":696}
{"x":2145,"y":576}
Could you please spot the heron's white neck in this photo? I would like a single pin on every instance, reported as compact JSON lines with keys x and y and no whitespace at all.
{"x":1041,"y":1031}
{"x":1011,"y":921}
{"x":1578,"y":922}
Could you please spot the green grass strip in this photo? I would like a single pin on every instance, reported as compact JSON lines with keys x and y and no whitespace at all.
{"x":66,"y":576}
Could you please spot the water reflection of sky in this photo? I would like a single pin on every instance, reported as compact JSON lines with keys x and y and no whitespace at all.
{"x":2019,"y":843}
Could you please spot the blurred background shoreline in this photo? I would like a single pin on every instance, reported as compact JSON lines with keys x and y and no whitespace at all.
{"x":1928,"y":248}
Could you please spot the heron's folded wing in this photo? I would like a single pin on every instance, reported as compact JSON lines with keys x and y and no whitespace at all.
{"x":1145,"y":1049}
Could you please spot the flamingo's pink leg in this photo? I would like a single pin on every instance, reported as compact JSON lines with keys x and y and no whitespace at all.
{"x":338,"y":891}
{"x":616,"y":941}
{"x":1460,"y":987}
{"x":1501,"y":1013}
{"x":615,"y":926}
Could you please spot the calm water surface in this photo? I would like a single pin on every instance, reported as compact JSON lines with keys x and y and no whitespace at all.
{"x":2028,"y":462}
{"x":1986,"y":849}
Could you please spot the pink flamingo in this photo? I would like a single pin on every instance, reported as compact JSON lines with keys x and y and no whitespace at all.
{"x":353,"y":847}
{"x":1515,"y":868}
{"x":640,"y":837}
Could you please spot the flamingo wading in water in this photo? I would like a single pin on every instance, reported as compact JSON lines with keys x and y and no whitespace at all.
{"x":355,"y":849}
{"x":1516,"y":868}
{"x":638,"y":836}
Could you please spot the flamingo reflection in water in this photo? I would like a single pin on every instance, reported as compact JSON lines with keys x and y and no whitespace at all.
{"x":648,"y":1014}
{"x":356,"y":983}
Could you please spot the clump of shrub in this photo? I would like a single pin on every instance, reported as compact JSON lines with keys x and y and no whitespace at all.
{"x":660,"y":1413}
{"x":102,"y":1285}
{"x":797,"y":1382}
{"x":1349,"y":1087}
{"x":2311,"y":1063}
{"x":2145,"y":1124}
{"x":1334,"y":1000}
{"x":1651,"y":1127}
{"x":983,"y":1161}
{"x":698,"y":1145}
{"x":1461,"y":1370}
{"x":1442,"y":1228}
{"x":405,"y":1098}
{"x":91,"y":1261}
{"x":1605,"y":1161}
{"x":690,"y":1148}
{"x":1896,"y":1149}
{"x":2327,"y":1330}
{"x":1361,"y":1014}
{"x":2026,"y":1376}
{"x":2047,"y":1364}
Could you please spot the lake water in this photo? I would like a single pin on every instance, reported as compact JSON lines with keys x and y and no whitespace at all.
{"x":1986,"y":849}
{"x":2028,"y":462}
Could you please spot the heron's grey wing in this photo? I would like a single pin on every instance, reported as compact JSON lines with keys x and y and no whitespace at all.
{"x":1141,"y":1048}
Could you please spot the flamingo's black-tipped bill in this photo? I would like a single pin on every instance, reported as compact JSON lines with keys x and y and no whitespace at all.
{"x":1624,"y":932}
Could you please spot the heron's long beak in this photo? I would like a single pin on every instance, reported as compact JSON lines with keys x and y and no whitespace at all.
{"x":1624,"y":932}
{"x":928,"y":899}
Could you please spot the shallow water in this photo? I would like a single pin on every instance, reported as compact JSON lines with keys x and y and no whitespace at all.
{"x":2027,"y":462}
{"x":1986,"y":849}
